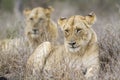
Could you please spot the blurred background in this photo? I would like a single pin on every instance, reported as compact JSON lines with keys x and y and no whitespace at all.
{"x":11,"y":17}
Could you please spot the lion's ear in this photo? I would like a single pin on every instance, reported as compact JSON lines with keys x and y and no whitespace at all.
{"x":62,"y":21}
{"x":90,"y":18}
{"x":48,"y":11}
{"x":26,"y":12}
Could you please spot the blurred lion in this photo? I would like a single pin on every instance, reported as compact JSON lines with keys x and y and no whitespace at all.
{"x":39,"y":26}
{"x":78,"y":56}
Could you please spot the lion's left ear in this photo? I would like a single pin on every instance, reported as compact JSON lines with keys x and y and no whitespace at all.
{"x":90,"y":18}
{"x":26,"y":12}
{"x":48,"y":11}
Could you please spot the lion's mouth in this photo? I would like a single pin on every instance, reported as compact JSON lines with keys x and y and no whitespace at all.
{"x":73,"y":46}
{"x":74,"y":49}
{"x":34,"y":34}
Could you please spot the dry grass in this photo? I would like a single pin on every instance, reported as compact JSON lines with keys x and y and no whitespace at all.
{"x":12,"y":63}
{"x":109,"y":54}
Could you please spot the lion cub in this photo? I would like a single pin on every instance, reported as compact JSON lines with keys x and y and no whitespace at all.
{"x":77,"y":58}
{"x":39,"y":26}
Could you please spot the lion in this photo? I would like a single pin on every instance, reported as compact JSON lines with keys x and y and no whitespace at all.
{"x":39,"y":26}
{"x":77,"y":58}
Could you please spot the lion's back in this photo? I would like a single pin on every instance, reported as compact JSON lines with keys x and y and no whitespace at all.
{"x":11,"y":44}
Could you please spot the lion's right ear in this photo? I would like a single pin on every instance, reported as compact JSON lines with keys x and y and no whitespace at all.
{"x":48,"y":11}
{"x":26,"y":12}
{"x":62,"y":21}
{"x":91,"y":18}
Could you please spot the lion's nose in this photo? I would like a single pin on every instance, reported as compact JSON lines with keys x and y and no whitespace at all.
{"x":72,"y":43}
{"x":35,"y":30}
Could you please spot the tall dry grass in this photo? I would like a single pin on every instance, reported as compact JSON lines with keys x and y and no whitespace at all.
{"x":109,"y":44}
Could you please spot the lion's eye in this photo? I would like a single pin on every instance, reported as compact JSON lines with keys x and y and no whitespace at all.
{"x":66,"y":31}
{"x":31,"y":18}
{"x":78,"y":30}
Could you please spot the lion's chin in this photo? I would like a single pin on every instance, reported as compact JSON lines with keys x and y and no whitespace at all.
{"x":34,"y":35}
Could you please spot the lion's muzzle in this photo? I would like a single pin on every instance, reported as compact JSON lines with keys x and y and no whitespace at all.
{"x":35,"y":31}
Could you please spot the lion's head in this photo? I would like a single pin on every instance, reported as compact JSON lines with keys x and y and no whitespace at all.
{"x":36,"y":21}
{"x":78,"y":32}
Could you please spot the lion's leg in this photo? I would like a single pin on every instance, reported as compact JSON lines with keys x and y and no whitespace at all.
{"x":36,"y":62}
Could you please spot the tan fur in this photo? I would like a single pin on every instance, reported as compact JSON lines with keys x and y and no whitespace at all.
{"x":39,"y":19}
{"x":34,"y":65}
{"x":61,"y":61}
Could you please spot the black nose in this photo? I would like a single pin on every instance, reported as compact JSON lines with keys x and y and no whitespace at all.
{"x":35,"y":30}
{"x":72,"y":43}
